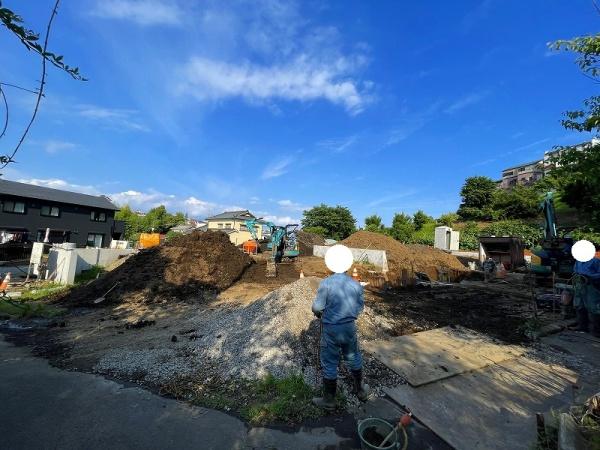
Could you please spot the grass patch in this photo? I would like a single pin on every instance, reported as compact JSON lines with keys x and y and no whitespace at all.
{"x":267,"y":401}
{"x":25,"y":309}
{"x":281,"y":400}
{"x":43,"y":290}
{"x":88,"y":275}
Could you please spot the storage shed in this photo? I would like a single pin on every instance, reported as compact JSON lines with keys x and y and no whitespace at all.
{"x":507,"y":250}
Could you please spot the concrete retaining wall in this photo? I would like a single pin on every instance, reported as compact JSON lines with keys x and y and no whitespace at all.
{"x":376,"y":257}
{"x":64,"y":264}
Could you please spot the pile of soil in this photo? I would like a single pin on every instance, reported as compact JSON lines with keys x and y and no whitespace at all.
{"x":306,"y":242}
{"x":187,"y":266}
{"x":415,"y":258}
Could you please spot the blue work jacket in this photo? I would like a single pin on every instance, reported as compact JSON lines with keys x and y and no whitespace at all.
{"x":591,"y":269}
{"x":339,"y":299}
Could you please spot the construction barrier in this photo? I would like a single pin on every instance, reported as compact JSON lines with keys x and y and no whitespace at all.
{"x":148,"y":240}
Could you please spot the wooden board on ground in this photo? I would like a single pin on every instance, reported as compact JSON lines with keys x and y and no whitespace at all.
{"x":492,"y":408}
{"x":433,"y":355}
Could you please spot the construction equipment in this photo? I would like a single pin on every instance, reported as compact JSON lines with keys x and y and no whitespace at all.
{"x":283,"y":243}
{"x":555,"y":251}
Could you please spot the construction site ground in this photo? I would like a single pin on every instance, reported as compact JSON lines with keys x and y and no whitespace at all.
{"x":203,"y":351}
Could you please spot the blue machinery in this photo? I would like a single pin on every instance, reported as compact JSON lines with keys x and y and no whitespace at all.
{"x":282,"y":243}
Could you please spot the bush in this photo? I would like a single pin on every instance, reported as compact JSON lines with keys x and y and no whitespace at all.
{"x":315,"y":230}
{"x":469,"y":236}
{"x":425,"y":235}
{"x":531,"y":234}
{"x":587,"y":234}
{"x":448,"y":219}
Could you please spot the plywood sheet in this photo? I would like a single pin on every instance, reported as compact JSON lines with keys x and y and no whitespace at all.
{"x":491,"y":408}
{"x":433,"y":355}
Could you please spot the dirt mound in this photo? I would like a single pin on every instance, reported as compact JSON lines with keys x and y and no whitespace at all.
{"x":189,"y":265}
{"x":307,"y":240}
{"x":417,"y":258}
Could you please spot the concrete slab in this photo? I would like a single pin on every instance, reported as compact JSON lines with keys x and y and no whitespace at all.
{"x":437,"y":354}
{"x":492,"y":408}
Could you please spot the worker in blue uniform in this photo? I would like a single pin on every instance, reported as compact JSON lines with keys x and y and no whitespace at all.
{"x":338,"y":303}
{"x":586,"y":301}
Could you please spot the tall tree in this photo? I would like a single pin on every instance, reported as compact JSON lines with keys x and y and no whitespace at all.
{"x":477,"y":198}
{"x":336,"y":220}
{"x":420,"y":219}
{"x":374,"y":223}
{"x":402,"y":227}
{"x":577,"y":168}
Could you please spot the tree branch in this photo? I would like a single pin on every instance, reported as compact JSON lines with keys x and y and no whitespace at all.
{"x":5,"y":160}
{"x":6,"y":109}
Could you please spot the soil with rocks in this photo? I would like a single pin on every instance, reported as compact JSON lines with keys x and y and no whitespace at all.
{"x":194,"y":266}
{"x":414,"y":258}
{"x":306,"y":242}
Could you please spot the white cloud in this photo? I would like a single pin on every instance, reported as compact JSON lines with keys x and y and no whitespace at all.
{"x":53,"y":146}
{"x":277,"y":168}
{"x":301,"y":79}
{"x":280,"y":220}
{"x":468,"y":100}
{"x":289,"y":205}
{"x":142,"y":12}
{"x":125,"y":119}
{"x":338,"y":145}
{"x":57,"y":183}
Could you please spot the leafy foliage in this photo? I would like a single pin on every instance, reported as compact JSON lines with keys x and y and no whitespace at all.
{"x":448,"y":219}
{"x":156,"y":220}
{"x":425,"y":235}
{"x":374,"y":223}
{"x":531,"y":234}
{"x":402,"y":227}
{"x":315,"y":230}
{"x":420,"y":219}
{"x":477,"y":198}
{"x":30,"y":39}
{"x":521,"y":202}
{"x":336,"y":220}
{"x":469,"y":236}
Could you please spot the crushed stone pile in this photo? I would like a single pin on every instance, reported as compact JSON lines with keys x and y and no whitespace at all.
{"x":306,"y":242}
{"x":419,"y":258}
{"x":276,"y":334}
{"x":187,"y":266}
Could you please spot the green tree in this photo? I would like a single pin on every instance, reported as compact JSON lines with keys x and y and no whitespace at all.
{"x":520,"y":202}
{"x":448,"y":219}
{"x":420,"y":219}
{"x":469,"y":236}
{"x":315,"y":230}
{"x":577,"y":169}
{"x":477,"y":198}
{"x":375,"y":224}
{"x":336,"y":220}
{"x":402,"y":227}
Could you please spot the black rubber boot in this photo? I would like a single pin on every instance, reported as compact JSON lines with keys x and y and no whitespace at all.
{"x":596,"y":325}
{"x":328,"y":400}
{"x":360,"y":389}
{"x":582,"y":319}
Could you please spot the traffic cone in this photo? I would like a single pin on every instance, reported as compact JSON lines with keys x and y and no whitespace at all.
{"x":301,"y":274}
{"x":355,"y":274}
{"x":4,"y":285}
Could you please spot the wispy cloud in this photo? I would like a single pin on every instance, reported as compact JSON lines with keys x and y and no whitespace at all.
{"x":277,"y":168}
{"x":392,"y":197}
{"x":338,"y":145}
{"x":301,"y":80}
{"x":53,"y":146}
{"x":468,"y":100}
{"x":123,"y":119}
{"x":512,"y":152}
{"x":289,"y":205}
{"x":280,"y":220}
{"x":142,"y":12}
{"x":408,"y":124}
{"x":57,"y":183}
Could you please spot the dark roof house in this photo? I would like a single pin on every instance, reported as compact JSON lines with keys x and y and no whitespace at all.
{"x":233,"y":215}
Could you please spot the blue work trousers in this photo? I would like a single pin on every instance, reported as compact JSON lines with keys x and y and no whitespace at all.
{"x":339,"y":341}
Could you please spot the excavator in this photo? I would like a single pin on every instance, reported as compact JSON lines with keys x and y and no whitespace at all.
{"x":283,"y":243}
{"x":555,"y":251}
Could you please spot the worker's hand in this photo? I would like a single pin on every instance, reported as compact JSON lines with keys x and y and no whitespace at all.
{"x":318,"y":314}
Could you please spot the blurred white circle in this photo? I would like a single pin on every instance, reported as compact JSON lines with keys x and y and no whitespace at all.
{"x":338,"y":258}
{"x":583,"y":250}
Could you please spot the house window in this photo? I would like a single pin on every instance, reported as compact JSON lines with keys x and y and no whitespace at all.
{"x":97,"y":216}
{"x":243,"y":228}
{"x":521,"y":169}
{"x":95,"y":240}
{"x":50,"y":211}
{"x":220,"y":226}
{"x":227,"y":226}
{"x":14,"y":207}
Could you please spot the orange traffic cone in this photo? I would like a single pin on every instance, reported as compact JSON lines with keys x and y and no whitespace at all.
{"x":355,"y":274}
{"x":301,"y":273}
{"x":4,"y":285}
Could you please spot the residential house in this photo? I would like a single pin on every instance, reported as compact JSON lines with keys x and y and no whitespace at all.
{"x":28,"y":211}
{"x":523,"y":174}
{"x":234,"y":224}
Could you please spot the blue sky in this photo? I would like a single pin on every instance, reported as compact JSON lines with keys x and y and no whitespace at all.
{"x":276,"y":106}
